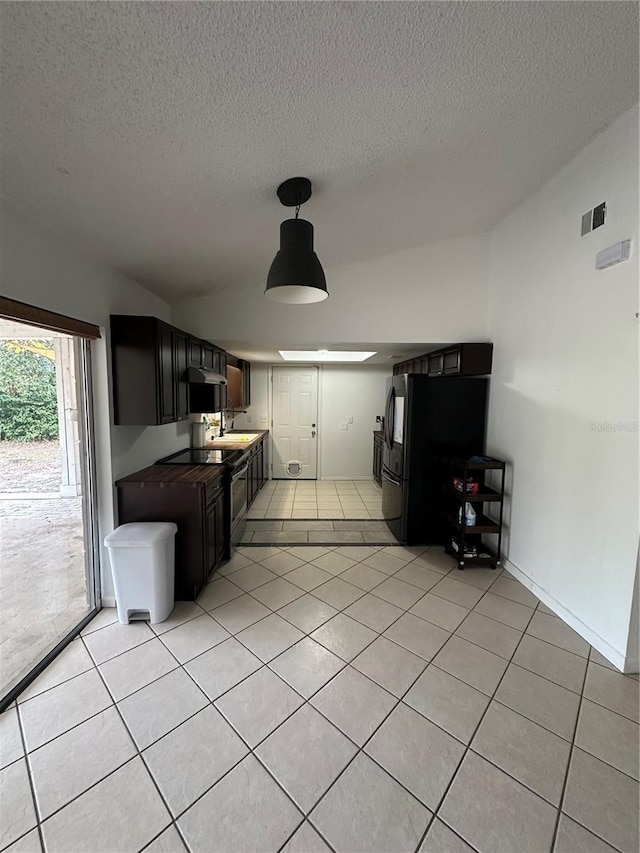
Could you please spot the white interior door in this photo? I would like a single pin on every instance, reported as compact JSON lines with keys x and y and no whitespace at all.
{"x":294,"y":437}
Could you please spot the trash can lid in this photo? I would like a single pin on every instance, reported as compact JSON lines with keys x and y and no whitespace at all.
{"x":142,"y":534}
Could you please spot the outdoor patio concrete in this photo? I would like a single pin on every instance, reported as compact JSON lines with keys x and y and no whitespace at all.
{"x":42,"y":578}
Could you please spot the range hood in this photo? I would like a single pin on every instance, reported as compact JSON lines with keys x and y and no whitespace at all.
{"x":205,"y":376}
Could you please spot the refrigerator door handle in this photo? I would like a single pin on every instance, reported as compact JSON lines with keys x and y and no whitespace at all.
{"x":386,"y":477}
{"x":390,"y":416}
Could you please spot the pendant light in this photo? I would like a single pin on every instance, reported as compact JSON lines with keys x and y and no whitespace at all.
{"x":296,"y":275}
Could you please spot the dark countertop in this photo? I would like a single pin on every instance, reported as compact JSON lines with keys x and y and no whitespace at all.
{"x":195,"y":474}
{"x":178,"y":474}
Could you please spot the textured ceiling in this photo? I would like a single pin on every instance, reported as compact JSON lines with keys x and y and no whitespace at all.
{"x":153,"y":135}
{"x":385,"y":353}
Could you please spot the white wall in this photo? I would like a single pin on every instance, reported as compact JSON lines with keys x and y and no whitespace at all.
{"x":39,"y":269}
{"x":566,"y":359}
{"x":435,"y":293}
{"x":343,"y":391}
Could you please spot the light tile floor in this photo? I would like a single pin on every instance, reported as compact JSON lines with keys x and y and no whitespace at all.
{"x":315,"y":699}
{"x":318,"y":512}
{"x":318,"y":499}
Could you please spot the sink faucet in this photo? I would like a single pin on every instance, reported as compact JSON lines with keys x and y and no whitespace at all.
{"x":233,"y":417}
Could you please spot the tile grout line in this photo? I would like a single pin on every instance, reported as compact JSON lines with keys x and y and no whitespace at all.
{"x":468,"y":748}
{"x":314,"y":829}
{"x":139,"y":754}
{"x":252,"y":750}
{"x":288,"y":717}
{"x":571,"y":753}
{"x":36,"y":811}
{"x":360,"y":748}
{"x":308,"y":592}
{"x":571,"y":742}
{"x":212,"y":702}
{"x":342,"y":669}
{"x":306,"y":634}
{"x":307,"y":700}
{"x":247,"y":592}
{"x":570,"y":759}
{"x":400,"y":700}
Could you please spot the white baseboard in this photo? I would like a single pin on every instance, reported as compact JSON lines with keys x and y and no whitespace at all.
{"x":612,"y":655}
{"x":108,"y":602}
{"x":341,"y":477}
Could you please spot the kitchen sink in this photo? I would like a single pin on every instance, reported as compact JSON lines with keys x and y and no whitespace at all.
{"x":236,"y":436}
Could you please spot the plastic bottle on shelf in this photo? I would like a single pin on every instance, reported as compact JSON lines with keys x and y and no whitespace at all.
{"x":469,"y":515}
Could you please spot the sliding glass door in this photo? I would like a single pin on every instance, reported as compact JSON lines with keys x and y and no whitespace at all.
{"x":48,"y":585}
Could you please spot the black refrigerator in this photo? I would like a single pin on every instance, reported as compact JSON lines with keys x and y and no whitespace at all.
{"x":427,"y":420}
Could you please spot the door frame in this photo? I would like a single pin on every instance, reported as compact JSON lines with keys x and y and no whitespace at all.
{"x":86,"y":434}
{"x":270,"y":415}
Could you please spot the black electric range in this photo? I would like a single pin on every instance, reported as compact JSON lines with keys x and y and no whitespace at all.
{"x":203,"y":456}
{"x":234,"y":463}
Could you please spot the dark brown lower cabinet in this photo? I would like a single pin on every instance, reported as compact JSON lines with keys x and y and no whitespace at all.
{"x":377,"y":456}
{"x":215,"y":523}
{"x":256,"y":471}
{"x":197,"y":500}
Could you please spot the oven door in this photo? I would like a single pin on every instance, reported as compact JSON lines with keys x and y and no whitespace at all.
{"x":239,"y":500}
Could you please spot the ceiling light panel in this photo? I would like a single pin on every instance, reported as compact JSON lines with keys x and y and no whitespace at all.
{"x":324,"y":355}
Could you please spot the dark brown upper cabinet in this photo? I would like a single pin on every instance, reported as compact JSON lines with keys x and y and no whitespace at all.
{"x":469,"y":359}
{"x":210,"y":357}
{"x":149,"y":360}
{"x":180,"y":381}
{"x":196,"y":353}
{"x":238,"y":374}
{"x":461,"y":360}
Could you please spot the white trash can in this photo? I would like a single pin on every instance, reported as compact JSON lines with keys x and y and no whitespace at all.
{"x":142,"y":559}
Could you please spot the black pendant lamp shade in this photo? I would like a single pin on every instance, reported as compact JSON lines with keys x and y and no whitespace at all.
{"x":296,"y":275}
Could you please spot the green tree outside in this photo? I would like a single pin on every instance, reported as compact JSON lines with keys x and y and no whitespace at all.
{"x":28,"y":405}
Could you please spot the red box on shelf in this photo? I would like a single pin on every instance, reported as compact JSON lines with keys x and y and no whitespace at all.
{"x":472,"y":486}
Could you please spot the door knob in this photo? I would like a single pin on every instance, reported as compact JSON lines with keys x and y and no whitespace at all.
{"x":313,"y":433}
{"x":313,"y":426}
